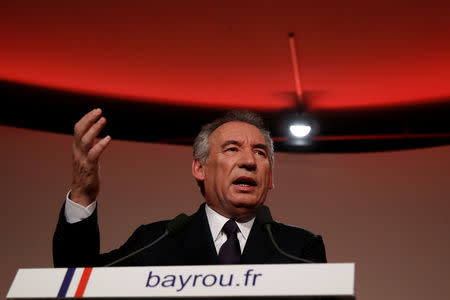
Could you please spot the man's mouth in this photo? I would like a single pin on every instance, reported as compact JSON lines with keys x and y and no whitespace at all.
{"x":245,"y":182}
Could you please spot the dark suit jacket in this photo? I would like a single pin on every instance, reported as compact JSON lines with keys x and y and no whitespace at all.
{"x":78,"y":244}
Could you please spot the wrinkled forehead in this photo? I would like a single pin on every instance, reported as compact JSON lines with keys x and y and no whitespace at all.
{"x":237,"y":131}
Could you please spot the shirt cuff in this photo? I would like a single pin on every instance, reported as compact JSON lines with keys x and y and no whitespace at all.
{"x":75,"y":212}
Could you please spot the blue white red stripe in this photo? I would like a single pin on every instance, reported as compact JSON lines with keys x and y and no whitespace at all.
{"x":74,"y":285}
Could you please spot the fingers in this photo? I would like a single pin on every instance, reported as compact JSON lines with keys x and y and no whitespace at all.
{"x":83,"y":125}
{"x":87,"y":149}
{"x":87,"y":129}
{"x":89,"y":137}
{"x":95,"y":152}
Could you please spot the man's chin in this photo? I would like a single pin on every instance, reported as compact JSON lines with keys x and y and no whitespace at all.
{"x":243,"y":214}
{"x":245,"y":201}
{"x":245,"y":206}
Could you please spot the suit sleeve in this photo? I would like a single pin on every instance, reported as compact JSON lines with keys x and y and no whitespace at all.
{"x":314,"y":250}
{"x":77,"y":244}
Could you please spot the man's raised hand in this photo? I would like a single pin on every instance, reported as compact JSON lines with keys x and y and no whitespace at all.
{"x":86,"y":151}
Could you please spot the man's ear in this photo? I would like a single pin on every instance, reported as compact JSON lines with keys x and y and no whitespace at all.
{"x":198,"y":170}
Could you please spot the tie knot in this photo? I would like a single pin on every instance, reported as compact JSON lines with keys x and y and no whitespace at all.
{"x":230,"y":227}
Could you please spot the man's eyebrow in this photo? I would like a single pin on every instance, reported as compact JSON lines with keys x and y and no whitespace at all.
{"x":260,"y":146}
{"x":230,"y":142}
{"x":233,"y":142}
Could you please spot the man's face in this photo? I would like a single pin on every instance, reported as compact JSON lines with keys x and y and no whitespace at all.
{"x":237,"y":174}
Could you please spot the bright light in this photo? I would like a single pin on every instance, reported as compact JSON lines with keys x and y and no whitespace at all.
{"x":300,"y":130}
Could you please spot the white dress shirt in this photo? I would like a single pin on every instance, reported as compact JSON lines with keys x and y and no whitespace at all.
{"x":75,"y":212}
{"x":216,"y":222}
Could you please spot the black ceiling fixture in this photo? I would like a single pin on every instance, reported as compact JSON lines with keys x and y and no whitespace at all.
{"x":356,"y":130}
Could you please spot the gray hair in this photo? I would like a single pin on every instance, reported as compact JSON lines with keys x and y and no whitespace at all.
{"x":201,"y":144}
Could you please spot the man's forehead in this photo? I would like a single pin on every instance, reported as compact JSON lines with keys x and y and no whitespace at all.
{"x":239,"y":132}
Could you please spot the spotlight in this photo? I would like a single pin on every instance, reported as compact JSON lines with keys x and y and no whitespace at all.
{"x":302,"y":127}
{"x":299,"y":130}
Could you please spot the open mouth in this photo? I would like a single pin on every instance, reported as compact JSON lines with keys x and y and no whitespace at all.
{"x":245,"y":182}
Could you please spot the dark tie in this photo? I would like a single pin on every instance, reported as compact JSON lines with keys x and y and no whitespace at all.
{"x":230,"y":252}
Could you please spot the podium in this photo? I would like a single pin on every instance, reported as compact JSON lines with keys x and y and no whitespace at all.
{"x":276,"y":281}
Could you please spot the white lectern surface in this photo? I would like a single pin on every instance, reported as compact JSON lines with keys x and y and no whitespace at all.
{"x":294,"y":280}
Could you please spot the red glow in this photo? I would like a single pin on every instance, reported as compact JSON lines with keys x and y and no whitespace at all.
{"x":374,"y":54}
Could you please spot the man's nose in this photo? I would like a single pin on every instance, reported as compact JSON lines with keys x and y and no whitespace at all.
{"x":247,"y":160}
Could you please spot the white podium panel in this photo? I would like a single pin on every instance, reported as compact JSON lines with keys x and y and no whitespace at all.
{"x":215,"y":281}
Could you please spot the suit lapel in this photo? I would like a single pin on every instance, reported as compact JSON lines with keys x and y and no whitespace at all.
{"x":258,"y":248}
{"x":198,"y":245}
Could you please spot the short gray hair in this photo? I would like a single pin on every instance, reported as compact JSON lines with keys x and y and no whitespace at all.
{"x":201,"y":144}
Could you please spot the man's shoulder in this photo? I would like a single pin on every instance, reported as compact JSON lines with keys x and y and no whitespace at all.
{"x":153,"y":226}
{"x":149,"y":232}
{"x":160,"y":226}
{"x":300,"y":242}
{"x":293,"y":231}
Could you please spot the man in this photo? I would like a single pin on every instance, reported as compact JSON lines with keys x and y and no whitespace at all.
{"x":233,"y":161}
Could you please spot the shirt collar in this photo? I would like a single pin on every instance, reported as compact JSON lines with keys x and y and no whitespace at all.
{"x":216,"y":222}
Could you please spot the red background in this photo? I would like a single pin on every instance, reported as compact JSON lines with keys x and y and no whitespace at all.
{"x":232,"y":53}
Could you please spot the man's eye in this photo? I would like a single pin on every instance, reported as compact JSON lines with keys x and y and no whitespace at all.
{"x":231,"y":149}
{"x":260,"y":152}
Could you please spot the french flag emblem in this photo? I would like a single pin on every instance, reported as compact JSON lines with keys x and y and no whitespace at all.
{"x":74,"y":282}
